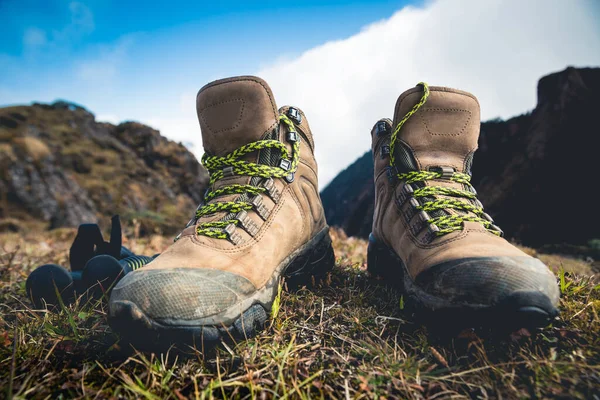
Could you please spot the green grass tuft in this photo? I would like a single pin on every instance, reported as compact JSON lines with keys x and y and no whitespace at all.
{"x":347,"y":338}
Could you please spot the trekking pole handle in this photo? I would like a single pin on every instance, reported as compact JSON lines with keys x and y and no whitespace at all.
{"x":134,"y":262}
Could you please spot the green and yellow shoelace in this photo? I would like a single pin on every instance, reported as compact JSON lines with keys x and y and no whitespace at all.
{"x":446,"y":223}
{"x":234,"y":165}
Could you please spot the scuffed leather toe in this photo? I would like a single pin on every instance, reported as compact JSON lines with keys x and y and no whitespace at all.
{"x":491,"y":280}
{"x":180,"y":296}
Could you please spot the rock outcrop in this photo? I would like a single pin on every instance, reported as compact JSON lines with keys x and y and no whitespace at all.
{"x":61,"y":167}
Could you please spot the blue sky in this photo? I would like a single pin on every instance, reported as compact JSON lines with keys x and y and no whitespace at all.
{"x":112,"y":47}
{"x":307,"y":22}
{"x":343,"y":63}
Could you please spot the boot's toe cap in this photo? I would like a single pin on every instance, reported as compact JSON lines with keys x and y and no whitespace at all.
{"x":180,"y":296}
{"x":485,"y":281}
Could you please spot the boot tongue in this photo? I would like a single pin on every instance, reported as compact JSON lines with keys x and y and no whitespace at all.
{"x":234,"y":112}
{"x":442,"y":133}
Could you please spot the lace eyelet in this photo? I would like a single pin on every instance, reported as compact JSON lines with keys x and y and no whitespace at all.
{"x":292,"y":137}
{"x":285,"y":164}
{"x":409,"y":211}
{"x":228,"y":172}
{"x":447,"y":172}
{"x":406,"y":192}
{"x":232,"y":235}
{"x":432,"y":233}
{"x":419,"y":223}
{"x":380,"y":128}
{"x":272,"y":191}
{"x":497,"y":229}
{"x":392,"y":173}
{"x":433,"y":228}
{"x":259,"y":207}
{"x":295,"y":115}
{"x":385,"y":151}
{"x":246,"y":223}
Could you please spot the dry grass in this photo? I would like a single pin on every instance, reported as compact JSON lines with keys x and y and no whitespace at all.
{"x":346,"y":339}
{"x":33,"y":147}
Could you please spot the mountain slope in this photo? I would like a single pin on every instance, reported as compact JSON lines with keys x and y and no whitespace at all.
{"x":535,"y":173}
{"x":60,"y":166}
{"x":349,"y":199}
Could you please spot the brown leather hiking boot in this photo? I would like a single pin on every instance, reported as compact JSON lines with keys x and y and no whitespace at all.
{"x":261,"y":220}
{"x":430,"y":233}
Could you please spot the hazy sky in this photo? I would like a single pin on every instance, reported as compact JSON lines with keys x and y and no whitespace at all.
{"x":343,"y":63}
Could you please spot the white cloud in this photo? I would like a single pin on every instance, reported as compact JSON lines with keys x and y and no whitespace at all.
{"x":102,"y":69}
{"x":180,"y":127}
{"x":110,"y":118}
{"x":494,"y":49}
{"x":81,"y":24}
{"x":98,"y":70}
{"x":34,"y":37}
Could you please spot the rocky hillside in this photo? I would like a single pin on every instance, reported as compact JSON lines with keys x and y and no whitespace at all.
{"x":536,"y":173}
{"x":58,"y":165}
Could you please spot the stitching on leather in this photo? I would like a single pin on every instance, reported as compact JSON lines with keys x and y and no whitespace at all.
{"x":424,"y":246}
{"x":464,"y":233}
{"x":445,"y":109}
{"x":381,"y":192}
{"x":273,"y":125}
{"x":483,"y":231}
{"x":267,"y":224}
{"x":379,"y":142}
{"x":403,"y":96}
{"x":465,"y":159}
{"x":271,"y":99}
{"x":242,"y":79}
{"x":304,"y":163}
{"x":305,"y":185}
{"x":382,"y":172}
{"x":297,"y":201}
{"x":237,"y":124}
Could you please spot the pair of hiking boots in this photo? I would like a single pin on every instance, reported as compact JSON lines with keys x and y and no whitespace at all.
{"x":262,"y":220}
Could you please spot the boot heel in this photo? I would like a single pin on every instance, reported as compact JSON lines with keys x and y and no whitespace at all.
{"x":315,"y":260}
{"x":380,"y":261}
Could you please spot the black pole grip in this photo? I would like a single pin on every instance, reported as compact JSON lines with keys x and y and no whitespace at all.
{"x":134,"y":262}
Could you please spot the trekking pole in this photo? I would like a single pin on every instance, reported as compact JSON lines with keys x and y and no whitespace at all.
{"x":52,"y":285}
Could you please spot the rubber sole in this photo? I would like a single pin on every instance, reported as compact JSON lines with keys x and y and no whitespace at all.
{"x":524,"y":309}
{"x":307,"y":264}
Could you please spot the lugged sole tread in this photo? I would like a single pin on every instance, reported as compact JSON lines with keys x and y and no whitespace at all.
{"x":519,"y":310}
{"x":312,"y":262}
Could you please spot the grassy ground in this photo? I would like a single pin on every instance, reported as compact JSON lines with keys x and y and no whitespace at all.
{"x":346,"y":339}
